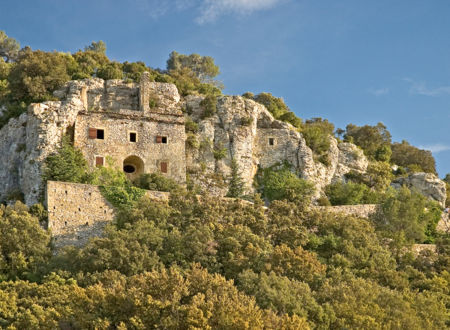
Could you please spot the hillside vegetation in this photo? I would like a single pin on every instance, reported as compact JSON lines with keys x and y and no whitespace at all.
{"x":198,"y":262}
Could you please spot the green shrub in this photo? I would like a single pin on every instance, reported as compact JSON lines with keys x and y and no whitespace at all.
{"x":374,"y":140}
{"x":156,"y":181}
{"x":412,"y":158}
{"x":220,"y":153}
{"x":246,"y":121}
{"x":209,"y":105}
{"x":282,"y":183}
{"x":190,"y":126}
{"x":317,"y":132}
{"x":66,"y":164}
{"x":408,"y":217}
{"x":191,"y":141}
{"x":351,"y":193}
{"x":112,"y":70}
{"x":236,"y":184}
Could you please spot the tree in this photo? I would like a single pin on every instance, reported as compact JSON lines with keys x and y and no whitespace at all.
{"x":203,"y":67}
{"x":111,"y":70}
{"x":317,"y":132}
{"x":9,"y":47}
{"x":24,"y":246}
{"x":406,"y":216}
{"x":236,"y":183}
{"x":282,"y":183}
{"x":374,"y":140}
{"x":66,"y":164}
{"x":406,"y":155}
{"x":36,"y":74}
{"x":98,"y":47}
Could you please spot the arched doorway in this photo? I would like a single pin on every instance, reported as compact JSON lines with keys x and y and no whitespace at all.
{"x":133,"y":166}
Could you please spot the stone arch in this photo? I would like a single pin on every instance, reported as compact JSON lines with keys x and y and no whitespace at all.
{"x":133,"y":166}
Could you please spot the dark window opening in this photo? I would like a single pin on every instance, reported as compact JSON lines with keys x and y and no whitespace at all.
{"x":65,"y":223}
{"x":87,"y":223}
{"x":129,"y":169}
{"x":133,"y":137}
{"x":161,"y":139}
{"x":100,"y":134}
{"x":271,"y":141}
{"x":164,"y":167}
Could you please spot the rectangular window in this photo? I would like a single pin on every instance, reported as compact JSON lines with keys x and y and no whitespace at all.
{"x":271,"y":141}
{"x":99,"y":161}
{"x":133,"y":136}
{"x":164,"y":167}
{"x":95,"y":133}
{"x":161,"y":139}
{"x":100,"y":134}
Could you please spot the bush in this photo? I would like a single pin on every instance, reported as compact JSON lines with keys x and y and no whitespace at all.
{"x":190,"y":126}
{"x":220,"y":153}
{"x":246,"y":121}
{"x":374,"y":140}
{"x":37,"y":74}
{"x":209,"y":105}
{"x":317,"y":132}
{"x":408,"y":217}
{"x":351,"y":193}
{"x":66,"y":164}
{"x":282,"y":183}
{"x":156,"y":181}
{"x":414,"y":159}
{"x":236,"y":184}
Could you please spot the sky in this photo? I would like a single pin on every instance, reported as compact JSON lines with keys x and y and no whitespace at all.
{"x":349,"y":61}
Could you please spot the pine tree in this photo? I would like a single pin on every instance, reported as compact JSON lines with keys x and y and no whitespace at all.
{"x":236,"y":185}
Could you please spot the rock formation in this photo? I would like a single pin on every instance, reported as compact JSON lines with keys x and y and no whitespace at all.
{"x":427,"y":184}
{"x":255,"y":139}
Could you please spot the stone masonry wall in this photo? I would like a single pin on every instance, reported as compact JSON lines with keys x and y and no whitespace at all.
{"x":116,"y":143}
{"x":363,"y":211}
{"x":78,"y":212}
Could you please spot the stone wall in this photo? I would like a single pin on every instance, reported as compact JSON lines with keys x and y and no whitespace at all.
{"x":78,"y":212}
{"x":363,"y":210}
{"x":146,"y":154}
{"x":25,"y":142}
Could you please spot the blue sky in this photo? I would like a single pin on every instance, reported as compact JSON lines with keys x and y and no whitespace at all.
{"x":350,"y":61}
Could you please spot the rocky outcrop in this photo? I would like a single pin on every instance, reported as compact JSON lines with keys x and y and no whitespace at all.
{"x":251,"y":135}
{"x":25,"y":142}
{"x":427,"y":184}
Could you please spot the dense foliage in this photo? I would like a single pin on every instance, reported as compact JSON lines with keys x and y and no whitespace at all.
{"x":28,"y":75}
{"x":412,"y":158}
{"x":374,"y":140}
{"x":280,"y":182}
{"x":199,"y":261}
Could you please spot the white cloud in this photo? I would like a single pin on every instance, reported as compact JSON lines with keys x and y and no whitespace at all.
{"x":379,"y":91}
{"x":435,"y":148}
{"x":211,"y":9}
{"x":420,"y":88}
{"x":207,"y":10}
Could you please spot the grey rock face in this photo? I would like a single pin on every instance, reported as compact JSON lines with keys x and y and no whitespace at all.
{"x":427,"y":184}
{"x":255,"y":139}
{"x":25,"y":142}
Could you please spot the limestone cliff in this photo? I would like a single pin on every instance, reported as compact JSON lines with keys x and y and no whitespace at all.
{"x":241,"y":129}
{"x":255,"y":139}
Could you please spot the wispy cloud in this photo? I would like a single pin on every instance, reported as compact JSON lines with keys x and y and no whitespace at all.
{"x":378,"y":91}
{"x":207,"y":10}
{"x":421,"y":88}
{"x":435,"y":148}
{"x":212,"y":9}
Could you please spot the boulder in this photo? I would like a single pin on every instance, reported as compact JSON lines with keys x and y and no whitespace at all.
{"x":427,"y":184}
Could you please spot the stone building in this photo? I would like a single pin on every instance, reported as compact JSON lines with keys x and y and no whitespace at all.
{"x":123,"y":128}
